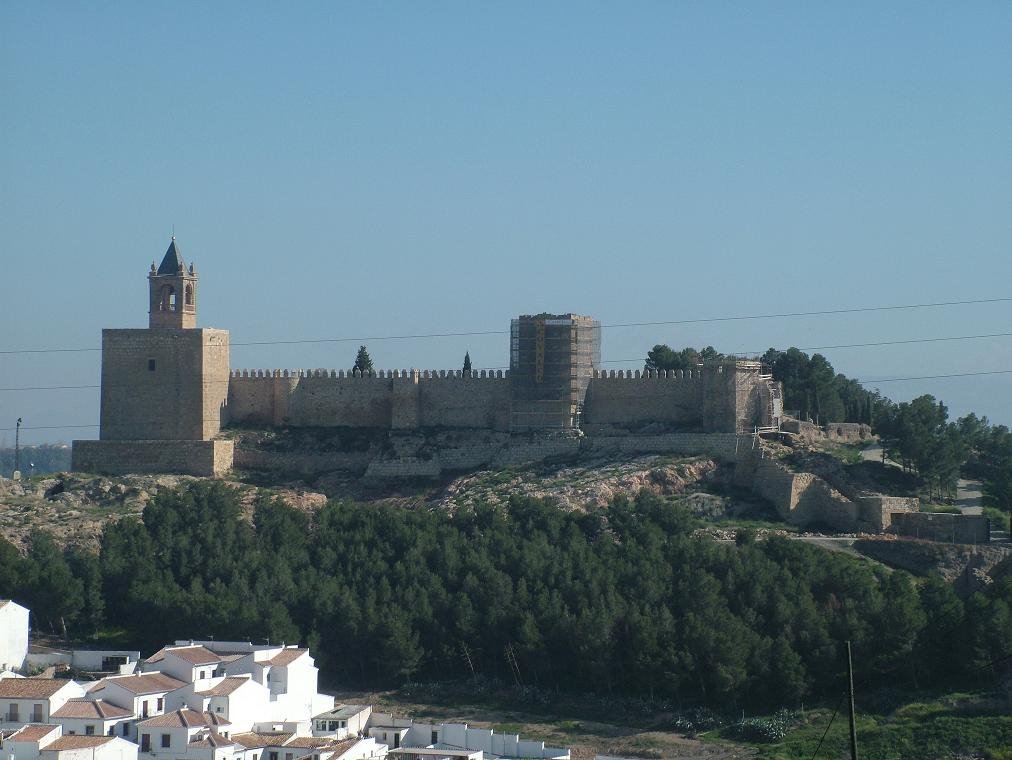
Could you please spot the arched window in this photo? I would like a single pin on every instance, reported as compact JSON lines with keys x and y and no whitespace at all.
{"x":189,"y":295}
{"x":167,"y":298}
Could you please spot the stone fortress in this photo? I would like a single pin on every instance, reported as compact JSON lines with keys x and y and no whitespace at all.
{"x":171,"y":403}
{"x":168,"y":391}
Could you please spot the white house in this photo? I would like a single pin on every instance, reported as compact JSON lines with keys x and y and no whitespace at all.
{"x":169,"y":735}
{"x":91,"y":717}
{"x":24,"y":743}
{"x":142,"y":694}
{"x":342,"y":721}
{"x":13,"y":635}
{"x":43,"y":742}
{"x":238,"y":699}
{"x":89,"y":748}
{"x":33,"y":700}
{"x":187,"y":663}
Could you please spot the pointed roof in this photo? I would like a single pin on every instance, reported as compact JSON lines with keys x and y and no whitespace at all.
{"x":173,"y":262}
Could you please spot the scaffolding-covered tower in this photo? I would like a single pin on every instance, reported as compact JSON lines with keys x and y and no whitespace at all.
{"x":552,"y":358}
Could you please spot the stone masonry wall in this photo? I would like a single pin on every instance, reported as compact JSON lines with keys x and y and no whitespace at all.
{"x":164,"y":384}
{"x":206,"y":458}
{"x":393,"y":399}
{"x":630,"y":400}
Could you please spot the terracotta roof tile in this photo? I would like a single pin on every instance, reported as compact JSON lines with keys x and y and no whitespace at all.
{"x":146,"y":683}
{"x":32,"y":732}
{"x":339,"y":748}
{"x":225,"y":687}
{"x":257,"y":739}
{"x":30,"y":688}
{"x":187,"y":718}
{"x":286,"y":656}
{"x":77,"y":742}
{"x":212,"y":740}
{"x":91,"y":708}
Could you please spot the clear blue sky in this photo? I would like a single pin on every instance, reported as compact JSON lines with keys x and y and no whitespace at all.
{"x":340,"y":169}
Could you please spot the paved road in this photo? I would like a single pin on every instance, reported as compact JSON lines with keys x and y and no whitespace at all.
{"x":969,"y":497}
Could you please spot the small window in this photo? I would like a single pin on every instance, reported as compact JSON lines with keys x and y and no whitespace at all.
{"x":166,"y":740}
{"x":161,"y":703}
{"x":151,"y":365}
{"x":217,"y":709}
{"x":435,"y":737}
{"x":273,"y":756}
{"x":112,"y":730}
{"x":89,"y":730}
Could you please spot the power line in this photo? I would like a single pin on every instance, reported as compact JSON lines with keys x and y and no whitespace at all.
{"x":700,"y":320}
{"x":937,"y":377}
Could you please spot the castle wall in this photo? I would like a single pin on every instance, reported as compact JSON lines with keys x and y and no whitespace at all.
{"x":630,"y":400}
{"x":396,"y":399}
{"x":163,"y":384}
{"x":464,"y":402}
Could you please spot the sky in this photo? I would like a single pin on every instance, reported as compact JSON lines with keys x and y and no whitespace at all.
{"x":361,"y":170}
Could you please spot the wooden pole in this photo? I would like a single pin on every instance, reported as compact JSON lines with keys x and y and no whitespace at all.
{"x":850,"y":694}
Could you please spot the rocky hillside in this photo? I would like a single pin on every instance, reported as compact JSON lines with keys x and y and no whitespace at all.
{"x":75,"y":507}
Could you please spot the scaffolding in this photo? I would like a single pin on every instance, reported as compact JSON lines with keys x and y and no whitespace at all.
{"x":552,"y":358}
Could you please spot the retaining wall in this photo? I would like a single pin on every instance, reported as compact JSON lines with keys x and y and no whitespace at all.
{"x":203,"y":458}
{"x":944,"y":527}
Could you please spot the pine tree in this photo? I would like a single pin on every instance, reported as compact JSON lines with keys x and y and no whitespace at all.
{"x":363,"y":362}
{"x":467,"y":363}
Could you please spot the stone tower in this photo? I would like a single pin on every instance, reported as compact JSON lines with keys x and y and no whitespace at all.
{"x":172,"y":291}
{"x":552,"y":359}
{"x":164,"y":387}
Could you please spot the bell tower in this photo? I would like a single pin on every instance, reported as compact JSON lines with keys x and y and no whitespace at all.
{"x":172,"y":292}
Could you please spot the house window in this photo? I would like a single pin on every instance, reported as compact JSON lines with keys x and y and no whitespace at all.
{"x":161,"y":703}
{"x":151,"y":365}
{"x":112,"y":730}
{"x":166,"y":740}
{"x":37,"y":714}
{"x":144,"y":709}
{"x":217,"y":709}
{"x":126,"y":729}
{"x":289,"y":755}
{"x":273,"y":756}
{"x":145,"y":742}
{"x":12,"y":713}
{"x":89,"y":730}
{"x":435,"y":737}
{"x":343,"y":724}
{"x":332,"y":725}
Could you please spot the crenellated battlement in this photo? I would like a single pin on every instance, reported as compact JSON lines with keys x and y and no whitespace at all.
{"x":629,"y":374}
{"x":389,"y":374}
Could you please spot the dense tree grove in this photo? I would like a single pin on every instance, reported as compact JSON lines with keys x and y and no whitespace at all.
{"x":662,"y":357}
{"x":619,"y":600}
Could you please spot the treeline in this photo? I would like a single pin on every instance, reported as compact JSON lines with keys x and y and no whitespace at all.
{"x":619,"y":600}
{"x":36,"y":459}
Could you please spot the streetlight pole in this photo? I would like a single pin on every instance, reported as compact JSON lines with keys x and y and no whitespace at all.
{"x":17,"y":446}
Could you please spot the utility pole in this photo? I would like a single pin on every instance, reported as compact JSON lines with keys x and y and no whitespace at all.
{"x":850,"y":695}
{"x":17,"y":446}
